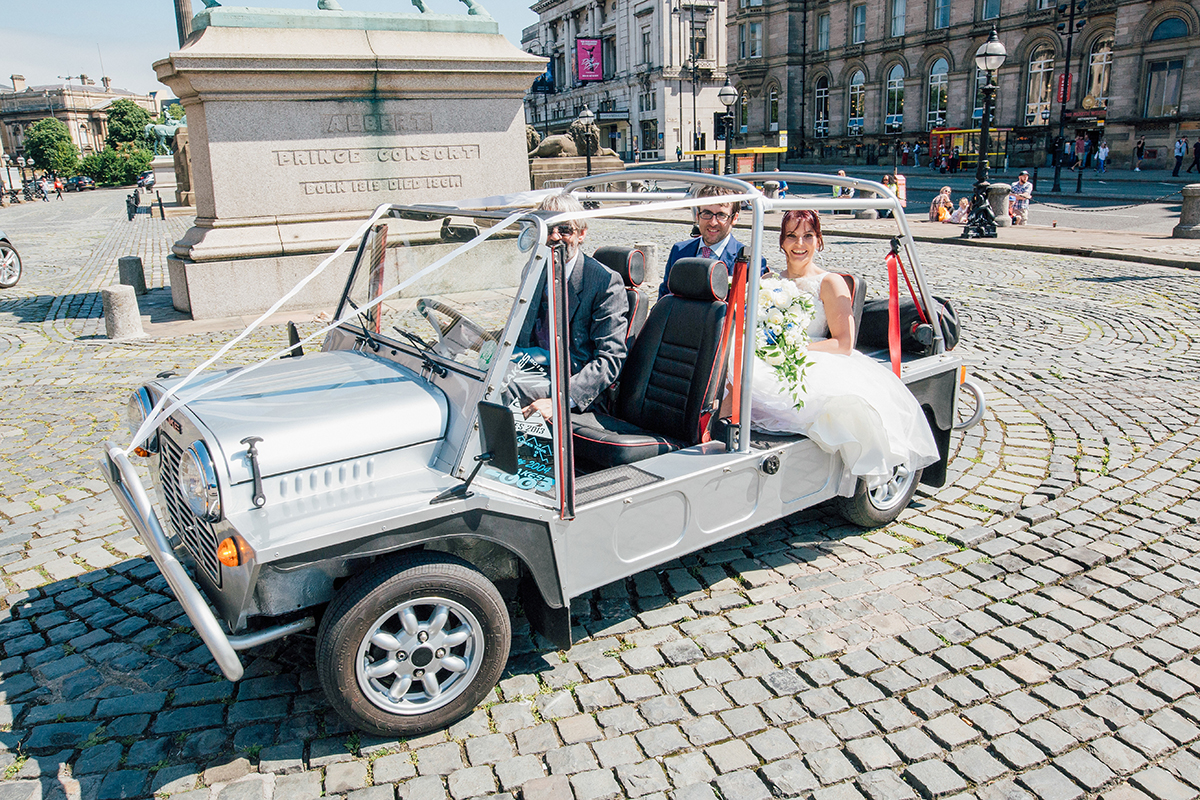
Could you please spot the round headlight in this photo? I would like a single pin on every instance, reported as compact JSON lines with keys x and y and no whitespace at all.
{"x":198,"y":483}
{"x":527,"y":238}
{"x":136,"y":411}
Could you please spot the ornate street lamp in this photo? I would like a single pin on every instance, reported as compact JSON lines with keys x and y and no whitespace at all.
{"x":589,"y":139}
{"x":21,"y":164}
{"x":981,"y":222}
{"x":728,"y":96}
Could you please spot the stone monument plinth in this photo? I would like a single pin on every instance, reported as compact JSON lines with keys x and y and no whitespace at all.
{"x":300,"y":123}
{"x":547,"y":173}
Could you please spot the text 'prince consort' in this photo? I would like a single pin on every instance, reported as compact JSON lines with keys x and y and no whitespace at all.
{"x":305,"y":158}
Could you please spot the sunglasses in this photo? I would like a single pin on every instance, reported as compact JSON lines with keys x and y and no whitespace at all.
{"x":719,"y":216}
{"x":564,"y":230}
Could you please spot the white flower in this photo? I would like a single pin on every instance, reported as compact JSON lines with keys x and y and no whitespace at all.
{"x":774,"y":358}
{"x":774,"y":318}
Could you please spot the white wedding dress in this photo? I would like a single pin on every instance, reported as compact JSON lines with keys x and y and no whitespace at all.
{"x":853,"y":406}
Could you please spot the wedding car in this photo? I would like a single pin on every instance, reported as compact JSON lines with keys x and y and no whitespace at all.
{"x":385,"y":489}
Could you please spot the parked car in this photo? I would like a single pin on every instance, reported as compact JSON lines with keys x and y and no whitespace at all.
{"x":10,"y":263}
{"x":146,"y":179}
{"x":390,"y":487}
{"x":79,"y":183}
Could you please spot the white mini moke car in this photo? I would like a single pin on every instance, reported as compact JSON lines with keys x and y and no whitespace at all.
{"x":388,"y":492}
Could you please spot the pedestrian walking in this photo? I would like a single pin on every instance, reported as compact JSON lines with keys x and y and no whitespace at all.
{"x":1139,"y":152}
{"x":1022,"y":193}
{"x":58,"y":187}
{"x":1102,"y":156}
{"x":44,"y":188}
{"x":904,"y":151}
{"x":916,"y":154}
{"x":1195,"y":156}
{"x":1078,"y":162}
{"x":1181,"y":149}
{"x":679,"y":152}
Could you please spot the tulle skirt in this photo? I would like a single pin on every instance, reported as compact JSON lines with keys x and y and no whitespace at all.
{"x":853,"y":406}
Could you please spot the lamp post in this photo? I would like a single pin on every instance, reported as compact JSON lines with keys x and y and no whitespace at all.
{"x":981,"y":222}
{"x":589,"y":138}
{"x":1069,"y":29}
{"x":728,"y":96}
{"x":21,"y":164}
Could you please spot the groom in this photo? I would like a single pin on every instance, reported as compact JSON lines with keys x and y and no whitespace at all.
{"x":716,"y":240}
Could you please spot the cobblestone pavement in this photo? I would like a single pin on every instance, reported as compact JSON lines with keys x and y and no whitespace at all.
{"x":1030,"y":630}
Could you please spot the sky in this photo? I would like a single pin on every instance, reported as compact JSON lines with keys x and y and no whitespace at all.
{"x":49,"y":40}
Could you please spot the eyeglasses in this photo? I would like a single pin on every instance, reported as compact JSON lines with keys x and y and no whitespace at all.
{"x":719,"y":216}
{"x":564,"y":230}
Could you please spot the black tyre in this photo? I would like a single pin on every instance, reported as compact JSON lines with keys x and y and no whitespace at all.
{"x":10,"y":266}
{"x":871,"y":508}
{"x":413,"y":644}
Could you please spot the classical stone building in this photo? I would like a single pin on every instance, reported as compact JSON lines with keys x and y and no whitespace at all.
{"x":82,"y":107}
{"x":631,"y":63}
{"x":854,"y":79}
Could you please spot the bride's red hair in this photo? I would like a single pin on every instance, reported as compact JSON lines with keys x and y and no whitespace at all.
{"x":794,"y":217}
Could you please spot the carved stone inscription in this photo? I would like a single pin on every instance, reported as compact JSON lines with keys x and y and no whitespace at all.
{"x":305,"y":158}
{"x":382,"y":184}
{"x":415,"y":122}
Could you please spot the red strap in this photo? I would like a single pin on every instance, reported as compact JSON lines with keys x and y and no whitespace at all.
{"x":893,"y":261}
{"x":920,"y":309}
{"x":738,"y":287}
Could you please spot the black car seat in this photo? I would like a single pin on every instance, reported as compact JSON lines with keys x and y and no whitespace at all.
{"x":672,"y":376}
{"x":858,"y":296}
{"x":630,"y":264}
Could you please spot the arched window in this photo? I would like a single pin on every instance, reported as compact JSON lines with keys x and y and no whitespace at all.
{"x":1041,"y":72}
{"x":1170,"y":28}
{"x":893,"y":122}
{"x":858,"y":104}
{"x":821,"y":104}
{"x":1099,"y":72}
{"x":939,"y":83}
{"x":84,"y":141}
{"x":773,"y":109}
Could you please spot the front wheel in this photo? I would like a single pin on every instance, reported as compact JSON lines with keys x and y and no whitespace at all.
{"x":413,"y":644}
{"x":871,"y":508}
{"x":10,"y":266}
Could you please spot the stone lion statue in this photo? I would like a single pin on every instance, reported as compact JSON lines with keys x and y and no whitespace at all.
{"x":532,"y":138}
{"x":572,"y":143}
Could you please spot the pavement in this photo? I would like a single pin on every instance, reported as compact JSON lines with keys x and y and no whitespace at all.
{"x":1031,"y":630}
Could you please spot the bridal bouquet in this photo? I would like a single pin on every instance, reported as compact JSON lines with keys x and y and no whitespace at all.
{"x":781,"y":336}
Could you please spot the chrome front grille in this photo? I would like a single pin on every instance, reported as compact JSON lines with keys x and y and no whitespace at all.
{"x":197,"y":534}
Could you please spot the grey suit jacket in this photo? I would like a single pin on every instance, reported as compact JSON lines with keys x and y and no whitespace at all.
{"x":598,"y":310}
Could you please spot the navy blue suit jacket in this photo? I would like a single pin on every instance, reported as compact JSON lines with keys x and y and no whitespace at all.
{"x":691,"y":248}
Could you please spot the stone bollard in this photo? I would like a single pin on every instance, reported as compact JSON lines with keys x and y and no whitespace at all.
{"x":771,"y":189}
{"x":652,"y":273}
{"x":131,"y":273}
{"x":1189,"y":215}
{"x":866,"y":213}
{"x":997,"y":195}
{"x":122,"y":318}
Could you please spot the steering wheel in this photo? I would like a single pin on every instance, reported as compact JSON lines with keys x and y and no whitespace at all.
{"x":457,"y":334}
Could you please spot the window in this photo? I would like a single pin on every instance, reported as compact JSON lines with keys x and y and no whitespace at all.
{"x":1171,"y":28}
{"x":939,"y":83}
{"x":649,"y":137}
{"x":756,"y":40}
{"x":647,"y":51}
{"x":610,"y":57}
{"x":84,"y":140}
{"x":897,"y":15}
{"x":991,"y":9}
{"x":773,"y":109}
{"x":744,"y":115}
{"x":1099,"y":72}
{"x":1038,"y":93}
{"x":742,"y":41}
{"x":858,"y":104}
{"x":823,"y":33}
{"x":858,"y":27}
{"x":941,"y":13}
{"x":699,"y":41}
{"x":1163,"y":82}
{"x":1044,"y":4}
{"x":893,"y":121}
{"x":821,"y":105}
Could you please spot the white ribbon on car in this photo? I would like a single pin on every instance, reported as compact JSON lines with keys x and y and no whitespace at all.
{"x":161,"y":410}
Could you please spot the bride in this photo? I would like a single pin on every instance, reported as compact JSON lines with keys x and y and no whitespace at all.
{"x":849,"y":404}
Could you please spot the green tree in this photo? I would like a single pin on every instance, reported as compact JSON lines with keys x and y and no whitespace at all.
{"x":127,"y":122}
{"x":49,"y":142}
{"x":117,"y":166}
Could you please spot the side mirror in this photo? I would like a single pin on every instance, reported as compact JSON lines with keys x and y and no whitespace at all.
{"x":498,"y":436}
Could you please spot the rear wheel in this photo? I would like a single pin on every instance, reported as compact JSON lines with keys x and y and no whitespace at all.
{"x":413,"y":644}
{"x":871,"y":508}
{"x":10,"y":266}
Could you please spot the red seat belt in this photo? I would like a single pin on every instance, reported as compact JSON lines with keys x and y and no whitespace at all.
{"x":893,"y":261}
{"x":738,"y":324}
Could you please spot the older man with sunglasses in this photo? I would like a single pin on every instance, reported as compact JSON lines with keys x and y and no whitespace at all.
{"x":597,"y":308}
{"x":716,"y":240}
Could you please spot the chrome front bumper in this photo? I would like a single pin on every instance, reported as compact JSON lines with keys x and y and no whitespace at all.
{"x":123,"y":479}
